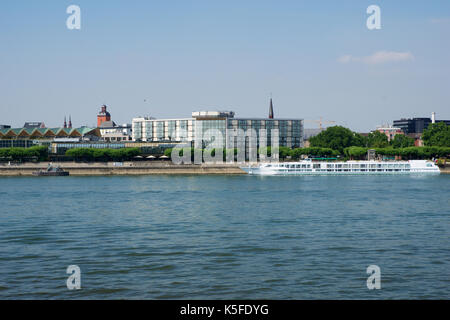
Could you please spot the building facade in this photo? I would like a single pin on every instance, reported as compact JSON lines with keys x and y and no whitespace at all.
{"x":33,"y":125}
{"x":103,"y":116}
{"x":390,"y":132}
{"x":48,"y":133}
{"x":112,"y":132}
{"x":290,"y":131}
{"x":109,"y":130}
{"x":416,"y":125}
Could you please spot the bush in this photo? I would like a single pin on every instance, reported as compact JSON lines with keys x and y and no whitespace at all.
{"x":91,"y":154}
{"x":284,"y":152}
{"x":355,"y":152}
{"x":377,"y":139}
{"x":81,"y":154}
{"x":415,"y":152}
{"x":232,"y":152}
{"x":168,"y":152}
{"x":437,"y":134}
{"x":402,"y":141}
{"x":314,"y":152}
{"x":337,"y":138}
{"x":39,"y":153}
{"x":212,"y":152}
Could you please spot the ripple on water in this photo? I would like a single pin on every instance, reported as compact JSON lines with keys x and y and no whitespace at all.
{"x":160,"y":237}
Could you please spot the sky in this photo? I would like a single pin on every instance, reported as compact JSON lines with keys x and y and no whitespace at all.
{"x":168,"y":58}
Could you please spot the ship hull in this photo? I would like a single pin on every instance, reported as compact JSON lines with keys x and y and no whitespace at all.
{"x":50,"y":174}
{"x":306,"y":168}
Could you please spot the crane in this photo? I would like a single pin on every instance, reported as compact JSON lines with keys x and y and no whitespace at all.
{"x":321,"y":122}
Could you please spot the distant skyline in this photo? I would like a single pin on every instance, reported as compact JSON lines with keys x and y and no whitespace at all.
{"x":167,"y":59}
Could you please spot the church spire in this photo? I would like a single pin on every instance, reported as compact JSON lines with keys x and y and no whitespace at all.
{"x":65,"y":122}
{"x":271,"y":109}
{"x":70,"y":121}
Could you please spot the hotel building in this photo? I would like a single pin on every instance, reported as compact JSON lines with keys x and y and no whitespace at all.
{"x":186,"y":130}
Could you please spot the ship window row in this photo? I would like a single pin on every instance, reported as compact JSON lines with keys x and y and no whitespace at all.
{"x":369,"y":166}
{"x":345,"y":167}
{"x":285,"y":169}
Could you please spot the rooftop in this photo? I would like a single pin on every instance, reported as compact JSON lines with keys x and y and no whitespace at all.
{"x":108,"y":124}
{"x":213,"y":114}
{"x":36,"y":133}
{"x":34,"y":125}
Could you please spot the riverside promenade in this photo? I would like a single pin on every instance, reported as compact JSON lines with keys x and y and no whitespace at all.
{"x":445,"y":168}
{"x":121,"y":168}
{"x":132,"y":168}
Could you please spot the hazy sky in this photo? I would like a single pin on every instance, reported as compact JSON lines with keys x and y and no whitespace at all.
{"x":169,"y":58}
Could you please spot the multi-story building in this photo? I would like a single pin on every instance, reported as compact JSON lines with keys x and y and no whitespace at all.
{"x":113,"y":132}
{"x":103,"y":116}
{"x":186,"y":130}
{"x":109,"y":130}
{"x":390,"y":132}
{"x":417,"y":125}
{"x":414,"y":127}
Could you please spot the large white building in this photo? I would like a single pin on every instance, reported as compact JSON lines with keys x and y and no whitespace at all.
{"x":112,"y":132}
{"x":185,"y":130}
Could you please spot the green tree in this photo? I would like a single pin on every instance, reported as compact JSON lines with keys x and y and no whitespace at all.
{"x":437,"y":134}
{"x":410,"y":152}
{"x":313,"y":152}
{"x":444,"y":151}
{"x":18,"y":153}
{"x":168,"y":152}
{"x":233,"y":152}
{"x":266,"y":150}
{"x":80,"y":153}
{"x":130,"y":153}
{"x":402,"y":141}
{"x":284,"y":152}
{"x":100,"y":154}
{"x":359,"y":140}
{"x":355,"y":152}
{"x":41,"y":152}
{"x":376,"y":139}
{"x":337,"y":138}
{"x":4,"y":153}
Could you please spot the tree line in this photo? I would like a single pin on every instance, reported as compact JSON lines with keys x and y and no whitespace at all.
{"x":356,"y":153}
{"x":37,"y":153}
{"x":332,"y":143}
{"x":339,"y":138}
{"x":91,"y":154}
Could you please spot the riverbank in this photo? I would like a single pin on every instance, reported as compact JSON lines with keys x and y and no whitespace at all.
{"x":122,"y":168}
{"x":132,"y":168}
{"x":445,"y":169}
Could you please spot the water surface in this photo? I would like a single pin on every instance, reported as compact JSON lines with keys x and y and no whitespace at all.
{"x":225,"y":237}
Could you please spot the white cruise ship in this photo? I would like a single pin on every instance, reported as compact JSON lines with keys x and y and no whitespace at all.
{"x":308,"y":167}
